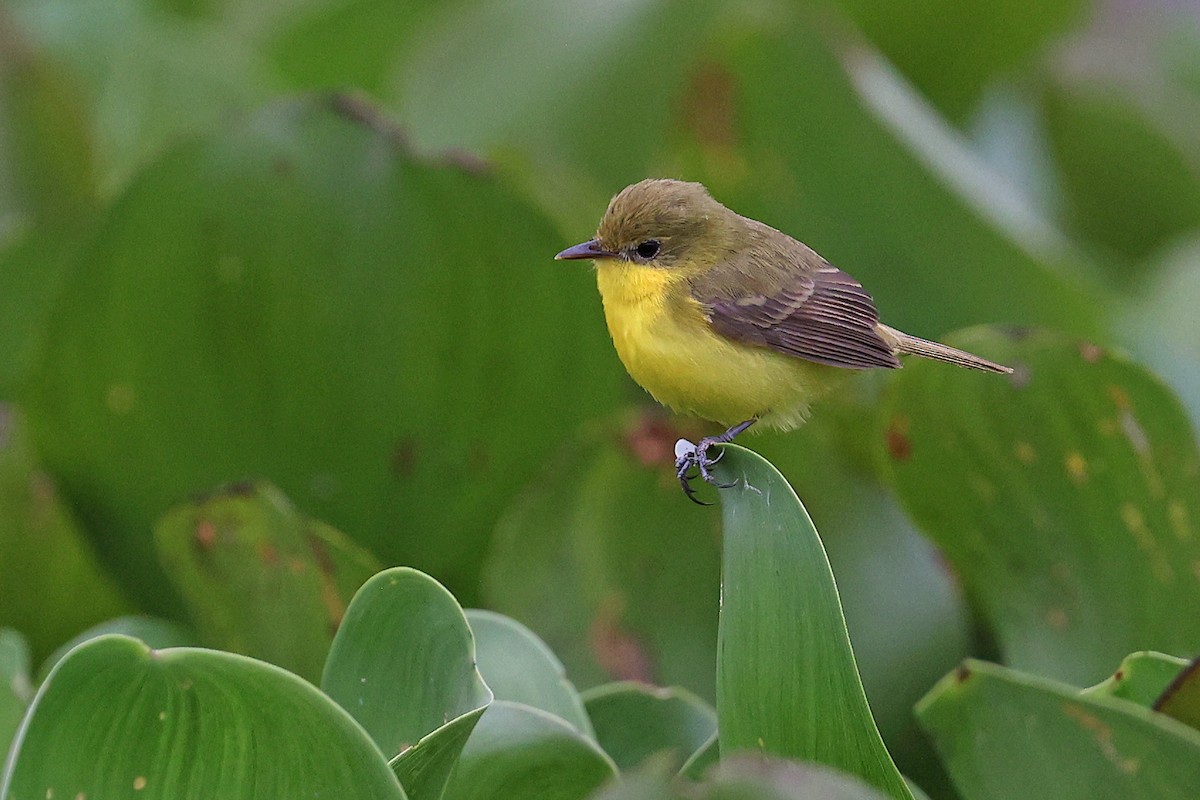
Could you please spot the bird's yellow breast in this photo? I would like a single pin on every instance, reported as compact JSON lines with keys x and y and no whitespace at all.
{"x":667,"y":345}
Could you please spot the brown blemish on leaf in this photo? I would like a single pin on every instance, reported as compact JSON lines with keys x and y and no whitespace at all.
{"x":1090,"y":352}
{"x":268,"y":554}
{"x":1103,"y":736}
{"x":1016,"y":333}
{"x":1024,"y":452}
{"x":1177,"y":516}
{"x":1106,"y":426}
{"x":205,"y":536}
{"x":139,"y":783}
{"x":282,"y":167}
{"x":479,"y":457}
{"x":651,"y":439}
{"x":1077,"y":468}
{"x":1135,"y":523}
{"x":1119,"y":398}
{"x":331,"y":598}
{"x":120,"y":398}
{"x":1057,"y":618}
{"x":617,"y":650}
{"x":404,"y":457}
{"x":899,"y":446}
{"x":962,"y":673}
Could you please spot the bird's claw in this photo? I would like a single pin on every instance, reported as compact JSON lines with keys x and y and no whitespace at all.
{"x":689,"y":456}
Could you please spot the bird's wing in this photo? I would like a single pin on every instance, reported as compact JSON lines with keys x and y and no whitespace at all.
{"x":815,"y":312}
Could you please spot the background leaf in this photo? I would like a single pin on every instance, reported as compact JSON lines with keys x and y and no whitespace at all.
{"x":16,"y":689}
{"x":1065,"y":496}
{"x":1006,"y":734}
{"x":635,"y":722}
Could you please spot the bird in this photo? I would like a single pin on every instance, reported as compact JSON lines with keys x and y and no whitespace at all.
{"x":723,"y":317}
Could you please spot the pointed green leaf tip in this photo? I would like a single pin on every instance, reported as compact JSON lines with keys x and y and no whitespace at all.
{"x":787,"y":683}
{"x":117,"y":719}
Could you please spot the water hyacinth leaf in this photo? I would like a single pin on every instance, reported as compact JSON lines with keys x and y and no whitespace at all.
{"x":259,"y":577}
{"x":187,"y":722}
{"x":298,"y":267}
{"x":1141,"y":678}
{"x":635,"y":722}
{"x":787,"y":683}
{"x":424,"y":768}
{"x":1003,"y":734}
{"x":1066,"y":496}
{"x":519,"y":751}
{"x":403,"y":660}
{"x":518,"y":666}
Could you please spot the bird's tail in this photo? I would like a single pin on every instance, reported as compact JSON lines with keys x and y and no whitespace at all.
{"x":914,"y":345}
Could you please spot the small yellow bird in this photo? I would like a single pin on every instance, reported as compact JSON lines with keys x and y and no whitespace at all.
{"x":726,"y":318}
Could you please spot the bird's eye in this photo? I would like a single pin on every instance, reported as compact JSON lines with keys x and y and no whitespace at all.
{"x":647,"y":249}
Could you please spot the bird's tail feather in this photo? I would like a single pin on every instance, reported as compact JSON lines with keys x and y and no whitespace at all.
{"x":914,"y":345}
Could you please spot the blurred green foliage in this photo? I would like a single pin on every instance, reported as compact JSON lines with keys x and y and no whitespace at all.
{"x":310,"y":242}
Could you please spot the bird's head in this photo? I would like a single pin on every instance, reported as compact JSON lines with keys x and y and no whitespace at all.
{"x":662,"y":224}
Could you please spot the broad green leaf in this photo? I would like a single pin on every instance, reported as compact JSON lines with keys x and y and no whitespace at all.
{"x":424,"y":768}
{"x":16,"y":689}
{"x":701,"y":760}
{"x":329,"y":312}
{"x":403,"y":660}
{"x":519,"y":751}
{"x":589,"y":557}
{"x":518,"y":666}
{"x":634,"y":722}
{"x":159,"y":634}
{"x":1142,"y":677}
{"x":46,"y":562}
{"x":1005,"y":734}
{"x":953,"y":51}
{"x":787,"y":684}
{"x":260,"y":578}
{"x":116,"y":719}
{"x":1181,"y":699}
{"x":745,"y":778}
{"x":1067,"y":497}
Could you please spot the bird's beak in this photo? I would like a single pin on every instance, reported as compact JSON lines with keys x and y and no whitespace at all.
{"x":589,"y":249}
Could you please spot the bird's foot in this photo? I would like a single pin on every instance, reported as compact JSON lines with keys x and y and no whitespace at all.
{"x":690,"y":456}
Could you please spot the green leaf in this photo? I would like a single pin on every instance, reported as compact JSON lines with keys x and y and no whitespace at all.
{"x":701,"y":760}
{"x":159,"y":634}
{"x":403,"y":660}
{"x":46,"y":561}
{"x":787,"y":683}
{"x":634,"y":722}
{"x":302,"y":269}
{"x":1141,"y":678}
{"x":1181,"y":699}
{"x":424,"y":768}
{"x":518,"y":666}
{"x":589,"y":557}
{"x":518,"y":751}
{"x":116,"y":719}
{"x":1066,"y":496}
{"x":16,"y":690}
{"x":1005,"y":734}
{"x":260,"y":578}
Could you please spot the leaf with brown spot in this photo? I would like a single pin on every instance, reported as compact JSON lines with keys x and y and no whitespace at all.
{"x":1082,"y":553}
{"x":259,"y":577}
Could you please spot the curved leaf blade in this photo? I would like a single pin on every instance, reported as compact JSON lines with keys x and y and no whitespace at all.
{"x":1004,"y":734}
{"x":634,"y":722}
{"x":519,"y":751}
{"x":116,"y":719}
{"x":403,"y":661}
{"x":787,"y":683}
{"x":1141,"y":678}
{"x":518,"y":666}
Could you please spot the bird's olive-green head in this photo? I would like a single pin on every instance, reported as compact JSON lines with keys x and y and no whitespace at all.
{"x":662,"y":223}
